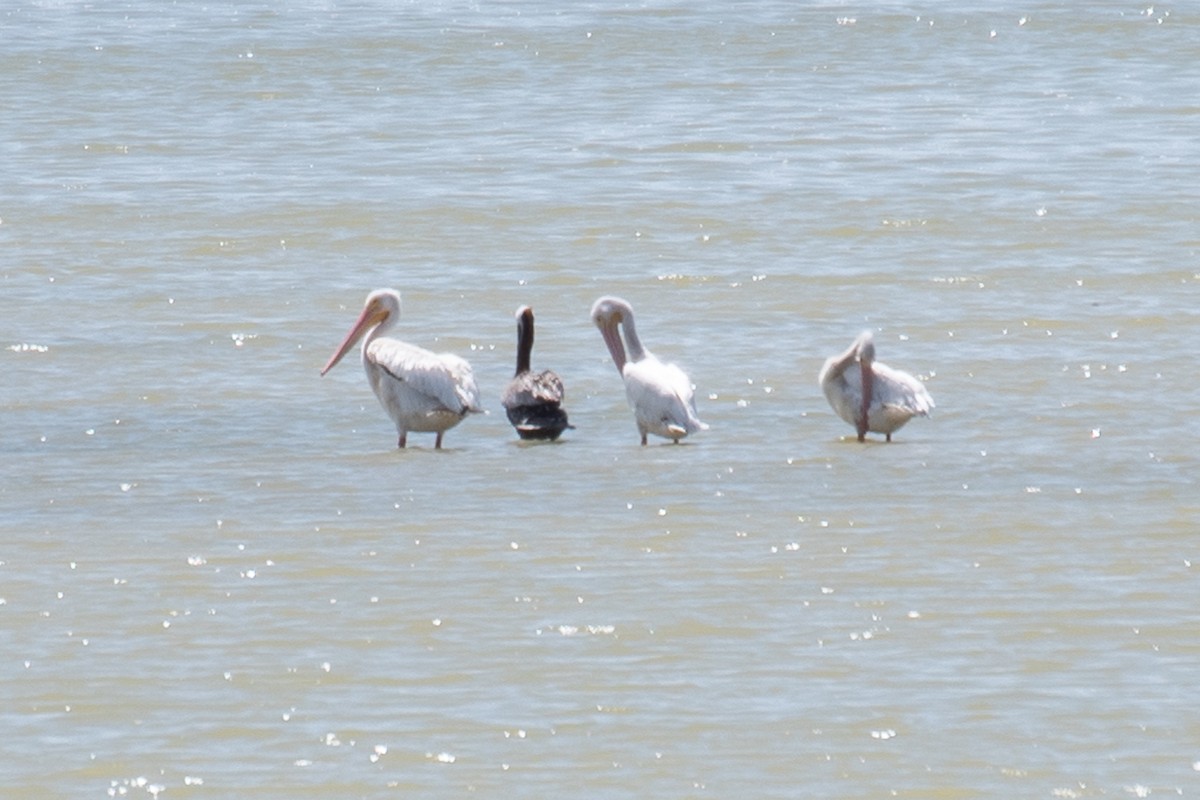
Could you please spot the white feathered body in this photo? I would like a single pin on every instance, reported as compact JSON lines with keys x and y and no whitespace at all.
{"x":896,"y":396}
{"x":662,"y":398}
{"x":421,"y":391}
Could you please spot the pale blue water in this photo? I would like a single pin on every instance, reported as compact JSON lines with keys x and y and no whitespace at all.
{"x":219,"y":578}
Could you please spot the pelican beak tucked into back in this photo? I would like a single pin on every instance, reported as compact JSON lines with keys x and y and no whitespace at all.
{"x":373,"y":313}
{"x":866,"y":357}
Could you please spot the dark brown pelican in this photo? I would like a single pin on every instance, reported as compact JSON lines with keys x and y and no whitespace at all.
{"x":533,"y":400}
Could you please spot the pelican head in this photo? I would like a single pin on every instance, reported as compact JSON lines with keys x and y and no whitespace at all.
{"x":381,"y":311}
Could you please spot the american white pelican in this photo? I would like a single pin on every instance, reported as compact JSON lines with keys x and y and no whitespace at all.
{"x":659,"y":394}
{"x":873,"y":397}
{"x":421,"y":391}
{"x":533,"y":400}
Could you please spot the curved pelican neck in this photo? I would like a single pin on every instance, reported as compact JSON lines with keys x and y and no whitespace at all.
{"x":632,"y":343}
{"x":838,"y":364}
{"x":524,"y":341}
{"x":372,"y":333}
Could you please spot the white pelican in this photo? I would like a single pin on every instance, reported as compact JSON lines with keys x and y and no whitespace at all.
{"x":659,"y":394}
{"x":874,"y":397}
{"x":421,"y":391}
{"x":533,"y":400}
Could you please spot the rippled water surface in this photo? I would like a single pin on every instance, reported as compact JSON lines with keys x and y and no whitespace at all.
{"x":219,"y":578}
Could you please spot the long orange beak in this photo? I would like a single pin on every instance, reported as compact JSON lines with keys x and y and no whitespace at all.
{"x":615,"y":346}
{"x":371,"y":316}
{"x":868,"y":388}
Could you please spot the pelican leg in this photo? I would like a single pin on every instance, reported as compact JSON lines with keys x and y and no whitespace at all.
{"x":403,"y":439}
{"x":889,"y":437}
{"x":437,"y":443}
{"x":643,"y":439}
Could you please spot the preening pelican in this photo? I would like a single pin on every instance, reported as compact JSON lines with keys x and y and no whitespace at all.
{"x":659,"y":394}
{"x":533,"y":400}
{"x":873,"y":397}
{"x":421,"y":391}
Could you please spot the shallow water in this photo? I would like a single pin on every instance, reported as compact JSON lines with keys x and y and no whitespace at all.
{"x":219,"y":578}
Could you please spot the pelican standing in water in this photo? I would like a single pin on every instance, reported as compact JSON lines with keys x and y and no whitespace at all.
{"x":874,"y":397}
{"x":421,"y":391}
{"x":533,"y":400}
{"x":659,"y":394}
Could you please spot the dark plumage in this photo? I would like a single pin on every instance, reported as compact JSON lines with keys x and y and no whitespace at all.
{"x":532,"y":400}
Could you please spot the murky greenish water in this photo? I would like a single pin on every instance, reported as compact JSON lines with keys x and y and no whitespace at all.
{"x":219,"y":578}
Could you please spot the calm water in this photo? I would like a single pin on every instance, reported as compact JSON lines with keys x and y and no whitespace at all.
{"x":218,"y":578}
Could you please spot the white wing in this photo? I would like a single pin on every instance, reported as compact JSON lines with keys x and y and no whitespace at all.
{"x":842,"y":387}
{"x":899,"y":390}
{"x":661,"y":396}
{"x":441,"y":377}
